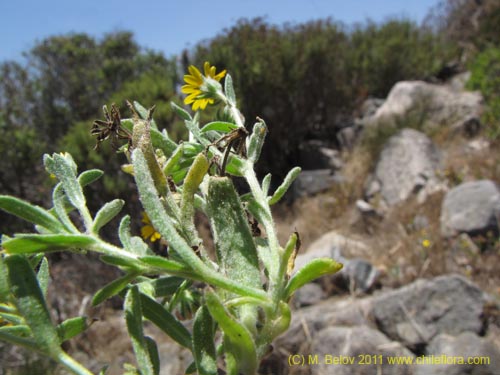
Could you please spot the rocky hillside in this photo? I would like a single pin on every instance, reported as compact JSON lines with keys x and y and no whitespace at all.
{"x":412,"y":209}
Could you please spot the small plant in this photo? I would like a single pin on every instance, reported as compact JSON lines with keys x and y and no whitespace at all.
{"x":237,"y":298}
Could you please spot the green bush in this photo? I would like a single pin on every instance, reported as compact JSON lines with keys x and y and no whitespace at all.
{"x":485,"y":76}
{"x":316,"y":73}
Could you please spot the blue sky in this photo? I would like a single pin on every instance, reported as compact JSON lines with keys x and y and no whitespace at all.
{"x":170,"y":26}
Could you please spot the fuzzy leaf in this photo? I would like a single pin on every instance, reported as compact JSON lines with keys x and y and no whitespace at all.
{"x":164,"y":320}
{"x":71,"y":328}
{"x":62,"y":167}
{"x":234,"y":244}
{"x":36,"y":243}
{"x":133,"y":316}
{"x":113,"y":288}
{"x":220,"y":126}
{"x":106,"y":213}
{"x":166,"y":286}
{"x":31,"y":304}
{"x":143,"y":112}
{"x":87,"y":177}
{"x":29,"y":212}
{"x":43,"y":276}
{"x":282,"y":189}
{"x":311,"y":271}
{"x":181,"y":112}
{"x":256,"y":141}
{"x":229,"y":89}
{"x":203,"y":342}
{"x":62,"y":206}
{"x":238,"y":342}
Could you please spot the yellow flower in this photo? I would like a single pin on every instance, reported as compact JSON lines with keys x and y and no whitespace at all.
{"x":426,"y":243}
{"x":199,"y":94}
{"x":147,"y":230}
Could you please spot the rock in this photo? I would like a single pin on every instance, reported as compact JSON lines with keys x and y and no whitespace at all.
{"x":309,"y":321}
{"x":315,"y":154}
{"x":420,"y":311}
{"x":407,"y":165}
{"x":309,"y":294}
{"x":472,"y":208}
{"x":332,"y":245}
{"x":370,"y":107}
{"x":458,"y":81}
{"x":358,"y":275}
{"x":357,"y":350}
{"x":346,"y":137}
{"x":437,"y":104}
{"x":446,"y":348}
{"x":366,"y":209}
{"x":314,"y":181}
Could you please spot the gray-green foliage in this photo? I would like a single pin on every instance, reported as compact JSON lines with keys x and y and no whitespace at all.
{"x":242,"y":291}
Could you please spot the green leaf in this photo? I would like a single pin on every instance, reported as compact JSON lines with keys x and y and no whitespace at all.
{"x":35,"y":243}
{"x":14,"y":339}
{"x":61,"y":166}
{"x":18,"y":330}
{"x":124,"y":232}
{"x":123,"y":262}
{"x":173,"y":160}
{"x":113,"y":288}
{"x":203,"y":342}
{"x":193,"y":128}
{"x":143,"y":112}
{"x":164,"y":320}
{"x":198,"y":170}
{"x":4,"y":282}
{"x":165,"y":264}
{"x":29,"y":212}
{"x":13,"y":318}
{"x":62,"y":206}
{"x":107,"y":213}
{"x":238,"y":342}
{"x":266,"y":182}
{"x":71,"y":328}
{"x":31,"y":304}
{"x":153,"y":354}
{"x":139,"y":247}
{"x":166,"y":286}
{"x":282,"y":189}
{"x":220,"y":126}
{"x":256,"y":141}
{"x":191,"y":369}
{"x":181,"y":112}
{"x":316,"y":268}
{"x":87,"y":177}
{"x":229,"y":89}
{"x":43,"y":276}
{"x":133,"y":317}
{"x":235,"y":248}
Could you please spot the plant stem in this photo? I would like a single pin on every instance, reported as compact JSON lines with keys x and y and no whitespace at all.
{"x":72,"y":365}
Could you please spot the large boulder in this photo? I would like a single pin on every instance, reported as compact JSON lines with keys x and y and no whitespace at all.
{"x":432,"y":104}
{"x":314,"y":181}
{"x":416,"y":313}
{"x":472,"y":208}
{"x":407,"y":165}
{"x":357,"y":350}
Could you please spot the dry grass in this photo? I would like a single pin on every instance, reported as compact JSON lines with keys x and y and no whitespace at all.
{"x":403,"y":250}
